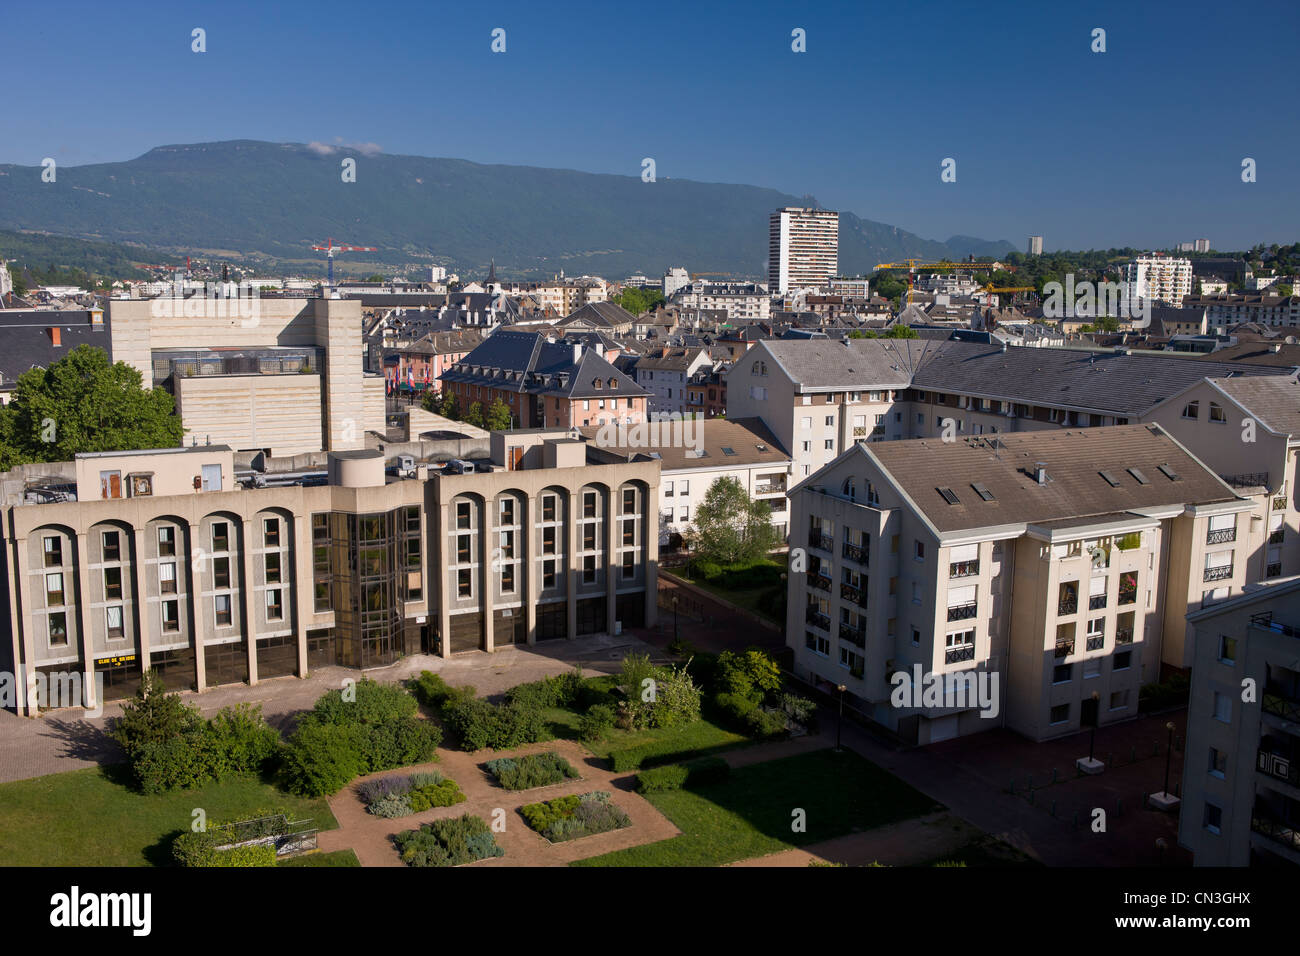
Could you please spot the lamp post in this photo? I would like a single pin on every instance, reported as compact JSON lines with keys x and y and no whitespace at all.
{"x":675,"y":635}
{"x":1169,"y":754}
{"x":1092,"y":739}
{"x":839,"y":722}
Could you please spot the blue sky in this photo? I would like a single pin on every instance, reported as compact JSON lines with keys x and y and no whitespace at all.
{"x":1141,"y":145}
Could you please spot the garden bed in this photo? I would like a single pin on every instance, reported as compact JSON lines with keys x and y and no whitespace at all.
{"x":401,"y":795}
{"x":531,"y":771}
{"x":453,"y":842}
{"x":574,"y":817}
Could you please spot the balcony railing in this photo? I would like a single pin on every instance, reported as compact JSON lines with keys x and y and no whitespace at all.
{"x":956,"y":655}
{"x":1250,"y":479}
{"x":1278,"y":766}
{"x":1096,"y":602}
{"x":1067,"y":605}
{"x":962,"y":612}
{"x":855,"y":553}
{"x":768,"y":488}
{"x":1280,"y":705}
{"x":819,"y":581}
{"x":822,"y":541}
{"x":857,"y":595}
{"x":1124,"y":635}
{"x":1273,"y":570}
{"x":1095,"y":642}
{"x":1276,"y":830}
{"x":1265,"y":620}
{"x":1277,"y":537}
{"x":1065,"y":648}
{"x":1222,"y":536}
{"x":818,"y":619}
{"x":1221,"y":573}
{"x":963,"y":569}
{"x":854,"y":635}
{"x":1128,"y":595}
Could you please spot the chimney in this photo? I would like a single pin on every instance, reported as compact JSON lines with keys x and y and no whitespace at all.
{"x":1040,"y":472}
{"x":55,"y":336}
{"x":577,"y":352}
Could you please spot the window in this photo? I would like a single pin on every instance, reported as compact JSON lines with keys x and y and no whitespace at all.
{"x":507,"y":511}
{"x":462,"y":515}
{"x":221,"y":603}
{"x":629,"y":565}
{"x":53,"y":551}
{"x":1227,"y":649}
{"x":916,"y":637}
{"x":830,"y":444}
{"x":58,"y":629}
{"x":686,"y":514}
{"x":629,"y":501}
{"x":668,"y":489}
{"x":830,"y":421}
{"x":220,"y":536}
{"x":271,"y":532}
{"x":167,"y":577}
{"x":274,"y":604}
{"x":508,"y":579}
{"x":1092,"y":668}
{"x":1192,"y":410}
{"x":53,"y":590}
{"x":629,"y":533}
{"x":1119,"y":700}
{"x":1216,"y":413}
{"x":507,"y":544}
{"x":113,"y":584}
{"x":686,"y":487}
{"x":112,"y":546}
{"x":548,"y":507}
{"x":273,"y":567}
{"x":960,"y":639}
{"x":113,"y":622}
{"x":1218,"y":763}
{"x":462,"y":549}
{"x":171,"y":616}
{"x":589,"y":502}
{"x":110,"y":484}
{"x":589,"y":569}
{"x":167,"y":542}
{"x":221,"y":572}
{"x":589,"y":537}
{"x":1222,"y":708}
{"x":464,"y":583}
{"x":1122,"y":661}
{"x":920,"y":550}
{"x":805,"y":423}
{"x":1213,"y":818}
{"x":1062,"y":673}
{"x":817,"y":644}
{"x":1060,"y":714}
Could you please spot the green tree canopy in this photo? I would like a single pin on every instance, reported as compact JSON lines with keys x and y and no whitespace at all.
{"x":638,"y":301}
{"x":901,"y":332}
{"x":497,"y":418}
{"x":475,"y":415}
{"x":84,"y":403}
{"x":732,"y":527}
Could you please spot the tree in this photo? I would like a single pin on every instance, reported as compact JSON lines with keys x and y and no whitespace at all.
{"x":731,"y":527}
{"x":475,"y":415}
{"x":83,"y":403}
{"x":638,"y":301}
{"x":902,"y":332}
{"x":1284,"y":290}
{"x":863,"y":334}
{"x":432,"y":401}
{"x":498,"y":417}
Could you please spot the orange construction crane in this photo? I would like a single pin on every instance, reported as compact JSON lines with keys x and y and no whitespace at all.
{"x":330,"y":248}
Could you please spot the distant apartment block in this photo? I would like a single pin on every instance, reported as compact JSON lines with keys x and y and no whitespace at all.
{"x":1035,"y":245}
{"x":1158,"y":279}
{"x":740,"y":301}
{"x":665,"y":373}
{"x":803,"y":248}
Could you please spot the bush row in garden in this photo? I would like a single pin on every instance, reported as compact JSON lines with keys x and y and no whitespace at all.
{"x":533,"y":770}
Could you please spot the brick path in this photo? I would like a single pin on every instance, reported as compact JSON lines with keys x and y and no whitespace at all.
{"x":371,"y":837}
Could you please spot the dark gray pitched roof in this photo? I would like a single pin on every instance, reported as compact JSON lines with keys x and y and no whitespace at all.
{"x":525,"y":362}
{"x":26,"y":342}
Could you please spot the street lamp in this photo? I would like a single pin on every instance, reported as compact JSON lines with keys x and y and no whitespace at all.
{"x":1169,"y":754}
{"x":1092,"y":739}
{"x":675,"y":637}
{"x":839,"y":723}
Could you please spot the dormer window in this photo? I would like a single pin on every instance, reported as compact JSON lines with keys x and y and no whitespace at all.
{"x":613,"y":383}
{"x":596,"y":383}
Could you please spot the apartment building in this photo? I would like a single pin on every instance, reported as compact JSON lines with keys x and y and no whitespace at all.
{"x":419,"y":367}
{"x":1270,"y":311}
{"x":1241,"y":765}
{"x":665,"y":373}
{"x":279,"y":375}
{"x":819,"y":396}
{"x":568,"y":294}
{"x":1060,"y":564}
{"x":161,"y":559}
{"x":1247,"y":430}
{"x":1158,"y":279}
{"x":545,"y":383}
{"x":706,"y":392}
{"x":1035,"y":245}
{"x":803,"y":248}
{"x":693,"y":455}
{"x":739,"y":301}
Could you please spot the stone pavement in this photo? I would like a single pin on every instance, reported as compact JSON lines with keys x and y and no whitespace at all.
{"x":372,"y":837}
{"x":66,"y":740}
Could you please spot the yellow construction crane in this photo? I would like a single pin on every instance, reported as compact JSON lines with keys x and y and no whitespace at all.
{"x":912,"y":265}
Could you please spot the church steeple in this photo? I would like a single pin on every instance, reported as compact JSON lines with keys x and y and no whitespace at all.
{"x":492,"y":275}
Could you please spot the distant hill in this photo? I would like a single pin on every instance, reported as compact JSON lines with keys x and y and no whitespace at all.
{"x":257,"y":199}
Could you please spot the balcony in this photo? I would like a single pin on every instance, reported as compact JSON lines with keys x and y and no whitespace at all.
{"x":962,"y":612}
{"x":819,"y":581}
{"x":1129,"y":594}
{"x":958,"y":655}
{"x":1095,"y":642}
{"x":817,"y":619}
{"x":1096,"y":602}
{"x":1124,"y":635}
{"x":769,"y":488}
{"x":1278,"y":766}
{"x":822,"y":542}
{"x":1277,"y":831}
{"x":1222,"y":536}
{"x":855,"y":553}
{"x":1064,"y":648}
{"x":1252,"y":479}
{"x":1218,"y":574}
{"x":1067,"y":605}
{"x":1280,"y":705}
{"x":854,"y":635}
{"x":1277,"y":537}
{"x":963,"y":569}
{"x":855,"y":594}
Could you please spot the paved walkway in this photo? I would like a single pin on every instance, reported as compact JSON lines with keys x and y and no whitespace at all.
{"x":372,"y":837}
{"x":66,"y":740}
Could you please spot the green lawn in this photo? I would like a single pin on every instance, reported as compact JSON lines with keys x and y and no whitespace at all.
{"x":696,"y":739}
{"x":747,"y":598}
{"x":751,"y":814}
{"x":337,"y":858}
{"x":92,"y":818}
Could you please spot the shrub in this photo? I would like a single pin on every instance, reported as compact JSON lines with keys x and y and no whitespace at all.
{"x":675,"y":699}
{"x":596,"y":691}
{"x":596,"y":723}
{"x":241,"y":741}
{"x":449,"y":842}
{"x":399,"y":743}
{"x":481,"y":724}
{"x":558,"y":691}
{"x":430,"y":689}
{"x":801,"y":709}
{"x":668,"y":777}
{"x":705,"y":569}
{"x":767,"y":723}
{"x":393,"y":805}
{"x":165,"y":739}
{"x":400,"y":796}
{"x":568,"y":818}
{"x":321,"y":758}
{"x":378,"y":788}
{"x":534,"y":770}
{"x":200,"y":849}
{"x":374,"y":703}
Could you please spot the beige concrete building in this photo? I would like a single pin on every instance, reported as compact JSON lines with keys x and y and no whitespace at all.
{"x":279,"y":375}
{"x":1241,"y":766}
{"x":1058,"y":564}
{"x":160,"y":559}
